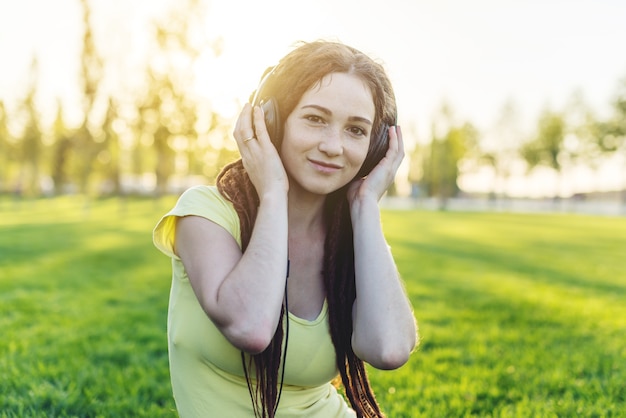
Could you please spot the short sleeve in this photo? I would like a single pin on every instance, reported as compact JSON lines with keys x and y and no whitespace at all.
{"x":204,"y":201}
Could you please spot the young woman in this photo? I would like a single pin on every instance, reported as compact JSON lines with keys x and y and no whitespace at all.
{"x":282,"y":278}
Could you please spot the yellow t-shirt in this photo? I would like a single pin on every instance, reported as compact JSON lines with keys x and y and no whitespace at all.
{"x":206,"y":371}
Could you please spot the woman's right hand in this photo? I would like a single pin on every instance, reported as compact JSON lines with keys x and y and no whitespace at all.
{"x":259,"y":155}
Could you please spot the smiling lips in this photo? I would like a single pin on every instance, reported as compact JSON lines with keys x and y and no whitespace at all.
{"x":324,"y":167}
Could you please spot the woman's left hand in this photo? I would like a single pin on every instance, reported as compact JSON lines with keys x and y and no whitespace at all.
{"x":383,"y":175}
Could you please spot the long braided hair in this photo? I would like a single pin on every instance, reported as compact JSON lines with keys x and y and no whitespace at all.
{"x":296,"y":73}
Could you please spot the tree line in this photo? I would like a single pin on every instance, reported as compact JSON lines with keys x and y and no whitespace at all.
{"x":155,"y":139}
{"x":561,"y":140}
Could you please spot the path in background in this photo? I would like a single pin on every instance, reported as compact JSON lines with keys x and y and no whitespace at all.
{"x":591,"y":207}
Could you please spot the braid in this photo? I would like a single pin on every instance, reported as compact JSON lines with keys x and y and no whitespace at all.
{"x":339,"y":280}
{"x":267,"y":364}
{"x":235,"y":185}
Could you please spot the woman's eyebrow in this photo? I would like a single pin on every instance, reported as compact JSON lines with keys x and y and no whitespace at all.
{"x":329,"y":113}
{"x":318,"y":107}
{"x":360,"y":119}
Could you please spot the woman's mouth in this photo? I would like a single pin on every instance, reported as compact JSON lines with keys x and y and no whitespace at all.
{"x":324,"y":167}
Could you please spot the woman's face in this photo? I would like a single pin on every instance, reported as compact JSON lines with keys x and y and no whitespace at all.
{"x":327,"y":135}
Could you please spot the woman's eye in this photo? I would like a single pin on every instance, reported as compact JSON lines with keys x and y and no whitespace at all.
{"x":355,"y":130}
{"x":314,"y":118}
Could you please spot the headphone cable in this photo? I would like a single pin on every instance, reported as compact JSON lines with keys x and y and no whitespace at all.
{"x":282,"y":377}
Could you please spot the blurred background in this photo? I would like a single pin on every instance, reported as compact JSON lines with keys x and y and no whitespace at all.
{"x":499,"y":101}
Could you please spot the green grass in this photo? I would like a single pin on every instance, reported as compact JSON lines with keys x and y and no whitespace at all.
{"x":83,"y":299}
{"x":520,"y":315}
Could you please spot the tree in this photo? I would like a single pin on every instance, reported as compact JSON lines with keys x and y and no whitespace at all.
{"x":218,"y":149}
{"x":548,"y":146}
{"x":581,"y":132}
{"x":415,"y":175}
{"x":109,"y":157}
{"x":6,"y":151}
{"x":84,"y":147}
{"x":168,"y":111}
{"x":611,"y":134}
{"x":450,"y":144}
{"x":29,"y":146}
{"x":501,"y":153}
{"x":62,"y":145}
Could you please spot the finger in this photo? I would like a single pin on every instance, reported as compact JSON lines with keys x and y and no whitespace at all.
{"x":400,"y":139}
{"x":398,"y":147}
{"x":243,"y":131}
{"x":240,"y":122}
{"x":396,"y":144}
{"x":260,"y":129}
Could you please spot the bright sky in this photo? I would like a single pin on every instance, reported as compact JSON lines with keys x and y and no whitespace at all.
{"x":474,"y":55}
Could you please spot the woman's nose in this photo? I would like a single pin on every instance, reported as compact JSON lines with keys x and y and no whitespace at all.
{"x":331,"y":143}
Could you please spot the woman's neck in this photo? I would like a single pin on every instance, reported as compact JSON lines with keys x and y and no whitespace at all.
{"x":305,"y":211}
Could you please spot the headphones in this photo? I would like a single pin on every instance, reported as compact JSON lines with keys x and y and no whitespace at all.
{"x":273,"y":122}
{"x":274,"y":125}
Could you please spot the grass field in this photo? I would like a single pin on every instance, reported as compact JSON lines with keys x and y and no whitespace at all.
{"x":520,"y":315}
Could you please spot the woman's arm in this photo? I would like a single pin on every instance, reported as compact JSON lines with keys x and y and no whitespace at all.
{"x":243,"y":293}
{"x":384,"y":328}
{"x":385,"y":331}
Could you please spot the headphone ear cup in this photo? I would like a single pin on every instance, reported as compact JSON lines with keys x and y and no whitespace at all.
{"x":381,"y":145}
{"x":272,"y":120}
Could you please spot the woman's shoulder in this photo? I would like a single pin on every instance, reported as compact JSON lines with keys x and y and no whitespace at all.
{"x":202,"y":193}
{"x":203,"y":200}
